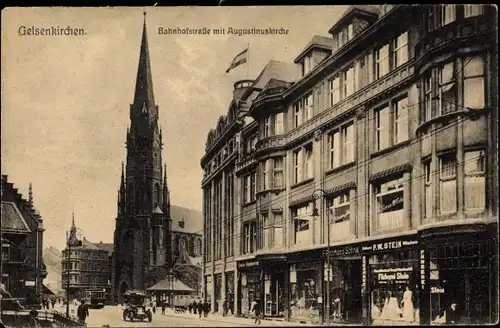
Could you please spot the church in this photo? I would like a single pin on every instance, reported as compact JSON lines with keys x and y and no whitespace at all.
{"x":151,"y":235}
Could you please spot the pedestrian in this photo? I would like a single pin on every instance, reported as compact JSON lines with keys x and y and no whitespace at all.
{"x":200,"y":308}
{"x":452,"y":316}
{"x":53,"y":301}
{"x":224,"y":308}
{"x":194,"y":305}
{"x":257,"y":311}
{"x":33,"y":319}
{"x":82,"y":312}
{"x":206,"y":308}
{"x":190,"y":307}
{"x":163,"y":307}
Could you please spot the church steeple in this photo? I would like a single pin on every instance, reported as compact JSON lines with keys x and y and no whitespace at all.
{"x":144,"y":96}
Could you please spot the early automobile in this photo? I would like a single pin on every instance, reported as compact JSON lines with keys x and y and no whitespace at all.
{"x":136,"y":306}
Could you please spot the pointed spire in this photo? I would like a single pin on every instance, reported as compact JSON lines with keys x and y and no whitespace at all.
{"x":144,"y":82}
{"x":123,"y":176}
{"x":165,"y":175}
{"x":30,"y":195}
{"x":73,"y":225}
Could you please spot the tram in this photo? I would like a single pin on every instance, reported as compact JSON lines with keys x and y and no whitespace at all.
{"x":96,"y":297}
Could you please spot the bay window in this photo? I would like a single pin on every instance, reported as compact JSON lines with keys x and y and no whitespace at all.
{"x":278,"y":124}
{"x":428,"y":199}
{"x":400,"y":110}
{"x":448,"y":14}
{"x":265,"y":175}
{"x":267,"y":127}
{"x":382,"y":117}
{"x":448,"y":183}
{"x":278,"y":230}
{"x":447,"y":89}
{"x":390,"y":204}
{"x":278,"y":181}
{"x":401,"y":50}
{"x":334,"y":90}
{"x":348,"y":82}
{"x":266,"y":231}
{"x":473,"y":10}
{"x":473,"y":69}
{"x":474,"y":181}
{"x":382,"y":64}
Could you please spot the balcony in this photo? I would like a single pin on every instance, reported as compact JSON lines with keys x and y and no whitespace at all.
{"x":269,"y":144}
{"x":395,"y":78}
{"x":464,"y":33}
{"x":246,"y":162}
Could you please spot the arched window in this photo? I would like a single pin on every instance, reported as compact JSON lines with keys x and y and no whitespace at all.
{"x":156,"y":195}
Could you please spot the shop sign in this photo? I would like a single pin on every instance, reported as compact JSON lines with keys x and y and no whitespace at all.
{"x":437,"y":290}
{"x":345,"y":251}
{"x":248,"y":264}
{"x":384,"y":276}
{"x":389,"y":245}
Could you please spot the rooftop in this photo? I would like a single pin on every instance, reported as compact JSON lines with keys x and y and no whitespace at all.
{"x":317,"y":41}
{"x":12,"y":219}
{"x":193,"y":220}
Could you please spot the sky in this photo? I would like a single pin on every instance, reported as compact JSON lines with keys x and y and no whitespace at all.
{"x":66,"y":99}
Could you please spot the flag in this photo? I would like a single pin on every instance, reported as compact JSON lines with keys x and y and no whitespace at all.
{"x":240,"y":58}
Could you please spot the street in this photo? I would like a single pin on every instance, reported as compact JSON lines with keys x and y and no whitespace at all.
{"x":112,"y":316}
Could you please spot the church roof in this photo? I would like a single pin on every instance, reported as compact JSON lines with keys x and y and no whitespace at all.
{"x":144,"y":83}
{"x":12,"y":219}
{"x":157,"y":210}
{"x":193,"y":220}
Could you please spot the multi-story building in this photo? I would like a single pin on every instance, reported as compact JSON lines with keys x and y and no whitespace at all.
{"x":88,"y":266}
{"x":22,"y":268}
{"x":372,"y":189}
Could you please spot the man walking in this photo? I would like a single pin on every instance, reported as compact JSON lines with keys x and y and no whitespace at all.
{"x":82,"y":312}
{"x":200,"y":308}
{"x":257,"y":311}
{"x":163,"y":307}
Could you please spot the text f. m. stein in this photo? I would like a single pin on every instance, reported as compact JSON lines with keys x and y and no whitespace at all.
{"x":50,"y":31}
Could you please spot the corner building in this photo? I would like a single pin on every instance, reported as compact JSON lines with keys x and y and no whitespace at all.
{"x":382,"y":154}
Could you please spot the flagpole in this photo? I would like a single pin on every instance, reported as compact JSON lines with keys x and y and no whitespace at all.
{"x":248,"y":59}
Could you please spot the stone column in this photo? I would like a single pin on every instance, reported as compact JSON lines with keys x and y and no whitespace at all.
{"x":212,"y":293}
{"x":361,"y":213}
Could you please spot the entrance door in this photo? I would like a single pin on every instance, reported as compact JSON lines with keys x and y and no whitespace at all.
{"x":353,"y":295}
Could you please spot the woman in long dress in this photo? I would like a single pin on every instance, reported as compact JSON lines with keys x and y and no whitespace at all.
{"x":407,"y":305}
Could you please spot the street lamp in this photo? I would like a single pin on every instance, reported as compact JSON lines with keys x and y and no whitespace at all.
{"x":317,"y":194}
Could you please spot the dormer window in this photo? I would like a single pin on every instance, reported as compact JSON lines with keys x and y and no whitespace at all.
{"x":345,"y":35}
{"x":307,"y":64}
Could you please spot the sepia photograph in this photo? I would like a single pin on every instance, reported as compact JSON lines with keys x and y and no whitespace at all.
{"x":249,"y":166}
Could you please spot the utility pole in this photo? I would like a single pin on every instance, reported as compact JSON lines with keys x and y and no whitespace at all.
{"x":68,"y":265}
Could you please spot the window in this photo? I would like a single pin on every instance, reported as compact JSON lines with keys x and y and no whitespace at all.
{"x":5,"y":252}
{"x":390,"y":204}
{"x":334,"y":91}
{"x":448,"y":184}
{"x":267,"y":127}
{"x":428,"y":200}
{"x":472,"y":10}
{"x":447,"y":89}
{"x":334,"y":145}
{"x":430,"y":18}
{"x":265,"y":175}
{"x":301,"y":217}
{"x":278,"y":124}
{"x":348,"y":82}
{"x":427,"y":115}
{"x":345,"y":35}
{"x":252,"y":186}
{"x":309,"y":161}
{"x":278,"y":181}
{"x":340,"y":208}
{"x":473,"y":82}
{"x":308,"y":106}
{"x":348,"y":144}
{"x":266,"y":231}
{"x":382,"y":128}
{"x":297,"y":163}
{"x":400,"y":110}
{"x":307,"y":64}
{"x":382,"y":61}
{"x":247,"y":238}
{"x":278,"y":230}
{"x":249,"y":188}
{"x":448,"y":14}
{"x":474,"y":182}
{"x":401,"y":50}
{"x":297,"y":115}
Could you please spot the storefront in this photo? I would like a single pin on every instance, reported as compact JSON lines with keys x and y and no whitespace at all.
{"x":230,"y":291}
{"x":250,"y":286}
{"x":461,"y":275}
{"x":218,"y":292}
{"x":391,"y":281}
{"x":305,"y":291}
{"x":276,"y":277}
{"x":344,"y":285}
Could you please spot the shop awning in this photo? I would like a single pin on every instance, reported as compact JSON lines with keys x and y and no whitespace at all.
{"x":171,"y":284}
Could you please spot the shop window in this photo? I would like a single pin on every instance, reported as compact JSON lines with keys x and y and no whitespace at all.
{"x":305,"y":283}
{"x":474,"y":182}
{"x":447,"y":89}
{"x":390,"y":205}
{"x":394,"y":287}
{"x":448,"y":183}
{"x":474,"y":82}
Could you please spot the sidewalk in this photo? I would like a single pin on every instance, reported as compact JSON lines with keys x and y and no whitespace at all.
{"x":232,"y":319}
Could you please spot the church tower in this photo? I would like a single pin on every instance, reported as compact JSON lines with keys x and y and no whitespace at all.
{"x":142,"y":232}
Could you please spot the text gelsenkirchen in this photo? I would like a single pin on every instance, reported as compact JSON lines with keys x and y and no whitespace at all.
{"x":50,"y":31}
{"x":223,"y":31}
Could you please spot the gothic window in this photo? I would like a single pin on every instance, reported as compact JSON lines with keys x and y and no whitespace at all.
{"x":155,"y":160}
{"x":156,"y":195}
